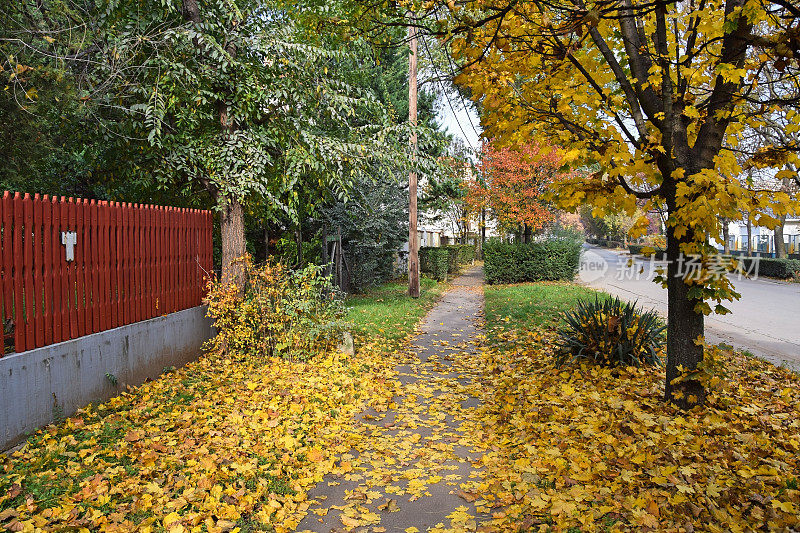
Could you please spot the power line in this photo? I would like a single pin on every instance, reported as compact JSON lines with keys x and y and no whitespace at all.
{"x":461,"y":96}
{"x":447,"y":97}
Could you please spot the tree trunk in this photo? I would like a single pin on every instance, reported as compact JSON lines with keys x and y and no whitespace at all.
{"x":325,"y":248}
{"x":483,"y":234}
{"x":749,"y":237}
{"x":233,"y":243}
{"x":780,"y":246}
{"x":232,"y":215}
{"x":266,"y":242}
{"x":684,"y":326}
{"x":726,"y":234}
{"x":298,"y":237}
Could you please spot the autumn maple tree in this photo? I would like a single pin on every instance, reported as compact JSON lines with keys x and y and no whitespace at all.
{"x":653,"y":95}
{"x":511,"y":183}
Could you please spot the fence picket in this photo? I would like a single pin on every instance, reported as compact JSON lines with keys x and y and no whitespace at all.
{"x":182,"y":241}
{"x":194,"y":282}
{"x":127,"y":234}
{"x":137,"y":257}
{"x":36,"y":267}
{"x":152,"y":285}
{"x":30,"y":298}
{"x":81,"y":291}
{"x":8,"y":265}
{"x":72,"y":289}
{"x":5,"y":275}
{"x":7,"y":244}
{"x":19,"y":312}
{"x":47,"y":270}
{"x":116,"y":279}
{"x":56,"y":275}
{"x":170,"y":260}
{"x":94,"y":273}
{"x":159,"y":268}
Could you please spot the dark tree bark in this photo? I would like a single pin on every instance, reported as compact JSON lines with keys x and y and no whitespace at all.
{"x":483,"y":233}
{"x":684,"y":326}
{"x":749,"y":237}
{"x":780,"y":246}
{"x":325,"y":247}
{"x":298,"y":237}
{"x":726,"y":234}
{"x":527,"y":236}
{"x":234,"y":247}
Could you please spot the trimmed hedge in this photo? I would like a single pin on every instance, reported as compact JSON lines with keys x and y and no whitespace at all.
{"x":554,"y":259}
{"x":452,"y":258}
{"x":605,"y":243}
{"x":434,"y":261}
{"x":442,"y":260}
{"x":466,"y":253}
{"x":636,"y":249}
{"x":771,"y":267}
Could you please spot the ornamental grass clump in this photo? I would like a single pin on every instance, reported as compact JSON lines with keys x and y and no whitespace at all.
{"x":293,"y":314}
{"x":611,"y":333}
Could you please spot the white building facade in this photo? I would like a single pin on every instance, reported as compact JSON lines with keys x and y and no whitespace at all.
{"x":762,"y":239}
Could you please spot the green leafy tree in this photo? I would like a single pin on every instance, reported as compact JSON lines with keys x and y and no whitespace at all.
{"x":242,"y":101}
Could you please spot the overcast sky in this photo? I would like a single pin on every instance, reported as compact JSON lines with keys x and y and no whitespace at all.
{"x":462,"y":116}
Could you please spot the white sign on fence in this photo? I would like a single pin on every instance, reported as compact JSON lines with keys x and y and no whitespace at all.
{"x":69,"y":239}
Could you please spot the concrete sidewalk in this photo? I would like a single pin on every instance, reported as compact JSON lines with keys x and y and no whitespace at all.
{"x":409,"y":463}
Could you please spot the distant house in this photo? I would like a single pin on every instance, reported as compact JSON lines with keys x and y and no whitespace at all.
{"x":763,"y":239}
{"x":440,"y":228}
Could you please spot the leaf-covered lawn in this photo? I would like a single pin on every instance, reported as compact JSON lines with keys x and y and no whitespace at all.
{"x":218,"y":444}
{"x":225,"y":443}
{"x":386,"y":311}
{"x":586,"y":448}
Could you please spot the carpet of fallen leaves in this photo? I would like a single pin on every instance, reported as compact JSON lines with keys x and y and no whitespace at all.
{"x":224,"y":444}
{"x":218,"y":444}
{"x":420,"y":449}
{"x":593,"y":448}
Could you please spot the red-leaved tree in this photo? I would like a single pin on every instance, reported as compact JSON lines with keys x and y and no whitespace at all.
{"x":511,"y":182}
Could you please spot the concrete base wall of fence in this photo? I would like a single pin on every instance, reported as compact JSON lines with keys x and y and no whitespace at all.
{"x":40,"y":386}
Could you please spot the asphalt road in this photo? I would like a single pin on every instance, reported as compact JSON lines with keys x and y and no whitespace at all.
{"x":765,"y":321}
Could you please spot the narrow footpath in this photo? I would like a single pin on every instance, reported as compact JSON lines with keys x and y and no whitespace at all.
{"x":411,"y":467}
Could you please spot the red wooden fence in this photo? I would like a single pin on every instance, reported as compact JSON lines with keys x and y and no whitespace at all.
{"x":131,"y":263}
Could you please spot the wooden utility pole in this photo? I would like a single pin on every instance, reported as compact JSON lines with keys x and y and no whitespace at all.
{"x":413,"y":243}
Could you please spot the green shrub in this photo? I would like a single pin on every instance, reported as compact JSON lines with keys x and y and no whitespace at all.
{"x":605,"y":243}
{"x":280,"y":312}
{"x":553,"y":259}
{"x":466,"y":253}
{"x":453,"y":264}
{"x":611,"y":333}
{"x":434,"y":261}
{"x":770,"y":266}
{"x":636,"y":249}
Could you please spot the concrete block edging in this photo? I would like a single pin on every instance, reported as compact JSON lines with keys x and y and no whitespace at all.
{"x":39,"y":386}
